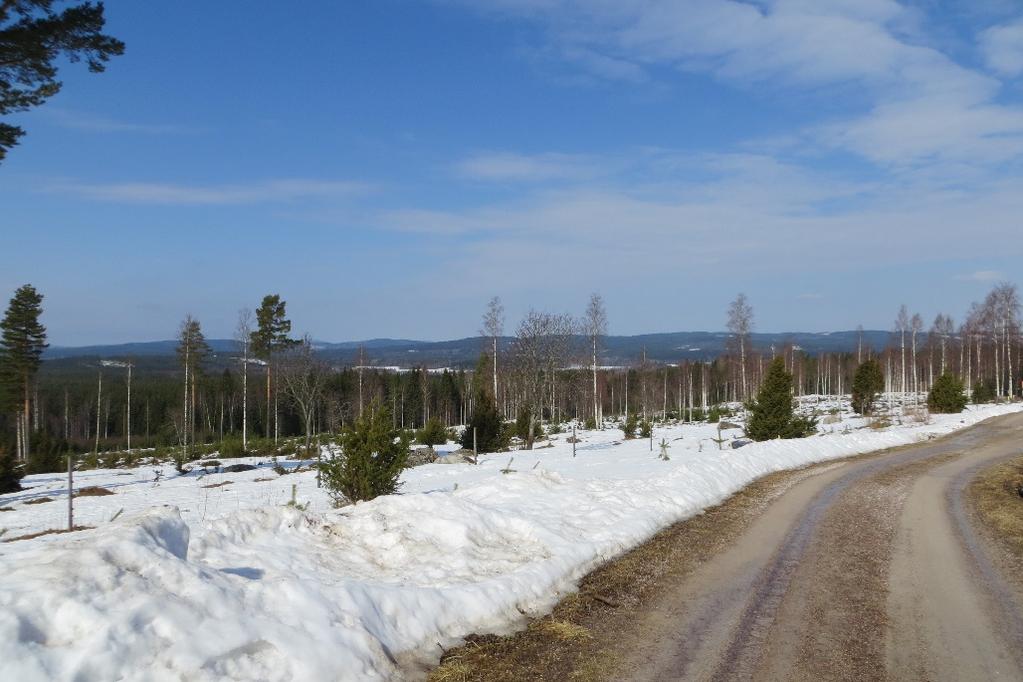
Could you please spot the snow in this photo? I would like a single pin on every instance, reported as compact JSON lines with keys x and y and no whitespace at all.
{"x":209,"y":583}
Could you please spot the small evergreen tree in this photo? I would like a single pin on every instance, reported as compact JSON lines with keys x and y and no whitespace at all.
{"x":947,"y":395}
{"x":490,"y":431}
{"x":432,"y":433}
{"x":10,"y":473}
{"x":373,"y":455}
{"x":772,"y":414}
{"x":983,"y":392}
{"x":629,"y":426}
{"x":522,"y":423}
{"x":868,"y":382}
{"x":645,"y":429}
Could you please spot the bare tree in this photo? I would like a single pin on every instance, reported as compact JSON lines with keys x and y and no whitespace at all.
{"x":541,"y":346}
{"x":595,"y":325}
{"x":243,"y":337}
{"x":901,"y":327}
{"x":304,"y":377}
{"x":916,"y":326}
{"x":740,"y":324}
{"x":493,"y":326}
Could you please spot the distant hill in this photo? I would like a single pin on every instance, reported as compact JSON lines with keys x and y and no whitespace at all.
{"x":618,"y":350}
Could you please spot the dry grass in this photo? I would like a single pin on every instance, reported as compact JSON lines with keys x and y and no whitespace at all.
{"x":995,"y":495}
{"x":217,"y":485}
{"x":3,"y":509}
{"x":93,"y":491}
{"x":39,"y":500}
{"x":52,"y":531}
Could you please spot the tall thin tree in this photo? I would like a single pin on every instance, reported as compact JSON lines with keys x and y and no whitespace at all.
{"x":22,"y":341}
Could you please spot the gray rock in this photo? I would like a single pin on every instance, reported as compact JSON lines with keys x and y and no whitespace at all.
{"x":234,"y":468}
{"x":741,"y":442}
{"x":462,"y":456}
{"x":420,"y":456}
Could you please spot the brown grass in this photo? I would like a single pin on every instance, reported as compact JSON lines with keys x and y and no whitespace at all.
{"x":995,"y":496}
{"x":39,"y":500}
{"x":52,"y":531}
{"x":93,"y":491}
{"x":217,"y":485}
{"x":3,"y":509}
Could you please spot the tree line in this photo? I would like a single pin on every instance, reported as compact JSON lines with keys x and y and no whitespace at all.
{"x":275,"y":386}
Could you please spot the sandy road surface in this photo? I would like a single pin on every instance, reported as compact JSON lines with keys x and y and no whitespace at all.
{"x":869,"y":570}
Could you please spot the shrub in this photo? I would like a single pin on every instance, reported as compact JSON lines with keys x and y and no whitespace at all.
{"x":772,"y":414}
{"x":48,"y":455}
{"x":372,"y":458}
{"x":947,"y":395}
{"x":491,"y":434}
{"x":432,"y":433}
{"x":984,"y":392}
{"x":714,"y":415}
{"x":868,"y":382}
{"x":231,"y":447}
{"x":591,"y":423}
{"x":10,"y":473}
{"x":645,"y":429}
{"x":629,"y":426}
{"x":522,"y":424}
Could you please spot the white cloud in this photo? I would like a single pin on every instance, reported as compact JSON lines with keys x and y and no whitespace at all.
{"x":982,"y":276}
{"x":511,"y":167}
{"x":171,"y":194}
{"x":1002,"y":47}
{"x":101,"y":124}
{"x":918,"y":104}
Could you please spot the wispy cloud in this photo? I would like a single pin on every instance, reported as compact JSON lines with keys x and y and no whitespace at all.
{"x":281,"y":190}
{"x":1002,"y":47}
{"x":511,"y":167}
{"x":982,"y":276}
{"x":101,"y":124}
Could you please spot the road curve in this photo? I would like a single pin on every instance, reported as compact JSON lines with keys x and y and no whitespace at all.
{"x":867,"y":570}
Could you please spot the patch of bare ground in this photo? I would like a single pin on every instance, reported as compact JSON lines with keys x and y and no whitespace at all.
{"x":217,"y":485}
{"x":39,"y":500}
{"x":93,"y":491}
{"x":579,"y":639}
{"x":52,"y":531}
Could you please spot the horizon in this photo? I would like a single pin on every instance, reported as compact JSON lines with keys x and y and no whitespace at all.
{"x":395,"y":164}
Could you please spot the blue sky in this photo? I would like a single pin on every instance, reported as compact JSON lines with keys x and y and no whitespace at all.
{"x":388,"y":166}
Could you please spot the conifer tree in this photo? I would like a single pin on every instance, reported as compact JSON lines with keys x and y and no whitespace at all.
{"x":192,"y":351}
{"x":10,"y":473}
{"x":22,"y":341}
{"x":867,"y":385}
{"x":487,"y":422}
{"x":373,"y":455}
{"x":772,"y":414}
{"x":269,"y":339}
{"x":947,"y":395}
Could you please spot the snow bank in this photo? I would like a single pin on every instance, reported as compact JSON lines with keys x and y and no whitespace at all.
{"x":256,"y":590}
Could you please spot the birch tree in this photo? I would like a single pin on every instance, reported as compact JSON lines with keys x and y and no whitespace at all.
{"x":901,"y":327}
{"x":243,"y":337}
{"x":740,"y":324}
{"x":595,"y":325}
{"x":493,"y":327}
{"x":304,"y":377}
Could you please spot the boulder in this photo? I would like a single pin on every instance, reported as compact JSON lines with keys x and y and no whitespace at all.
{"x":234,"y":468}
{"x":420,"y":456}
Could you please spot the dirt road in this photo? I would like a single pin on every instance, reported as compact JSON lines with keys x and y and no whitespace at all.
{"x":868,"y":570}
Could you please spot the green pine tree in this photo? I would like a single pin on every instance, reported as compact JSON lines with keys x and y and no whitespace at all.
{"x":268,"y":340}
{"x":947,"y":395}
{"x":432,"y":433}
{"x":35,"y":39}
{"x":490,"y":432}
{"x":868,"y":382}
{"x":772,"y":414}
{"x":10,"y":473}
{"x":22,"y":341}
{"x":373,"y":455}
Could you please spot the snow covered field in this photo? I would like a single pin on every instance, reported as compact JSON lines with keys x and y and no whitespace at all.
{"x":200,"y":579}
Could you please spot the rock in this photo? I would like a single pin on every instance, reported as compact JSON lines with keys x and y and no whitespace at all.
{"x":462,"y":456}
{"x":420,"y":456}
{"x":233,"y":468}
{"x":832,"y":419}
{"x":741,"y":442}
